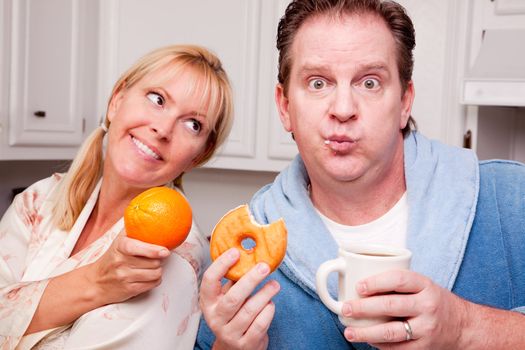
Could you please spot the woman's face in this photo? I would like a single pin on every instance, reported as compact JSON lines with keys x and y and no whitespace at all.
{"x":158,"y":128}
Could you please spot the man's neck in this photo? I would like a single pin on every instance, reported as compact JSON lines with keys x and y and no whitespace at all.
{"x":358,"y":202}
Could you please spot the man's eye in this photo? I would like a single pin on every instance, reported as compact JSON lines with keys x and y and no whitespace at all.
{"x":371,"y":84}
{"x":155,"y":98}
{"x":317,"y":84}
{"x":194,"y":125}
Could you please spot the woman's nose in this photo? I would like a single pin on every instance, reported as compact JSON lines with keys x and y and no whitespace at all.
{"x":163,"y":128}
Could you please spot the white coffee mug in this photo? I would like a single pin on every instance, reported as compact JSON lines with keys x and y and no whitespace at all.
{"x":354,"y":263}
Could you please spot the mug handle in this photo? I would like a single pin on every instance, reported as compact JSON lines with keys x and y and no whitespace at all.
{"x":336,"y":265}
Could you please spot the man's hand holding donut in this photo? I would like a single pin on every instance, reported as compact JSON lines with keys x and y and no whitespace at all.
{"x":238,"y":319}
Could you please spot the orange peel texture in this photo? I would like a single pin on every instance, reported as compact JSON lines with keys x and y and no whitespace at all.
{"x":159,"y":215}
{"x":238,"y":225}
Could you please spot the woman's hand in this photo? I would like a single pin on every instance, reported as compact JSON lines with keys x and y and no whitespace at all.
{"x":128,"y":268}
{"x":238,"y":320}
{"x":436,"y":317}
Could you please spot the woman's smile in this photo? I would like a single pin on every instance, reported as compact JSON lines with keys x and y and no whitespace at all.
{"x":145,"y":149}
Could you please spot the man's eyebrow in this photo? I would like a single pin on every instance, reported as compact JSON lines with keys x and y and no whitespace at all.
{"x":375,"y":66}
{"x":372,"y":66}
{"x":307,"y":68}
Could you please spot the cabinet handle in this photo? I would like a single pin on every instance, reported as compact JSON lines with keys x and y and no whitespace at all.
{"x":467,"y":140}
{"x":40,"y":114}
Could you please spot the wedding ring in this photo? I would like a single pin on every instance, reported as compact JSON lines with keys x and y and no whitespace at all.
{"x":408,"y":329}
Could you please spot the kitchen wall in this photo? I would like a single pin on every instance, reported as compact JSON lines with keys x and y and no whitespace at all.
{"x":17,"y":173}
{"x":212,"y":192}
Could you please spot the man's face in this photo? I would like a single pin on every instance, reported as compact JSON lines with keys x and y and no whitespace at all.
{"x":345,"y":103}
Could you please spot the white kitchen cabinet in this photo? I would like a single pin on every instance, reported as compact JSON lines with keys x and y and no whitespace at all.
{"x":438,"y":67}
{"x":49,"y":52}
{"x":494,"y":54}
{"x":63,"y":56}
{"x":280,"y":143}
{"x":241,"y":33}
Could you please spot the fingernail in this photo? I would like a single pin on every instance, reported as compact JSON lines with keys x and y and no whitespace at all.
{"x":349,"y":334}
{"x":233,"y":254}
{"x":164,"y":253}
{"x":347,"y":310}
{"x":275,"y":285}
{"x":361,"y":288}
{"x":263,"y":268}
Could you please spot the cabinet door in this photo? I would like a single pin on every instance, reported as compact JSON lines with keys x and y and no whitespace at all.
{"x":228,"y":28}
{"x":240,"y":32}
{"x":46,"y":83}
{"x":281,"y":146}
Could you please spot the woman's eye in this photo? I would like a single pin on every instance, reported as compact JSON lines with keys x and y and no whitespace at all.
{"x":194,"y":125}
{"x":317,"y":84}
{"x":155,"y":98}
{"x":370,"y":84}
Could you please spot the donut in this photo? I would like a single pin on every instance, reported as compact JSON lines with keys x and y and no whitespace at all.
{"x":236,"y":226}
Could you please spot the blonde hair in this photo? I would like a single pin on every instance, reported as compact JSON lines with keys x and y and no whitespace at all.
{"x":86,"y":169}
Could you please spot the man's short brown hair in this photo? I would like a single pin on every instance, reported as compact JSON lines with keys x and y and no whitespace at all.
{"x":394,"y":15}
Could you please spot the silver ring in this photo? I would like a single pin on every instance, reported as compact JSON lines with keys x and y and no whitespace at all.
{"x":408,"y":329}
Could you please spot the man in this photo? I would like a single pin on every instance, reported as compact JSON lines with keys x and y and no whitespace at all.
{"x":345,"y":92}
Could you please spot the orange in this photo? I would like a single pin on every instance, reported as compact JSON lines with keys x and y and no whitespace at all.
{"x":160,"y":216}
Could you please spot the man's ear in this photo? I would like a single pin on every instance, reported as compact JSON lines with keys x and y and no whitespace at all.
{"x":406,"y":104}
{"x":282,"y":106}
{"x":114,"y":103}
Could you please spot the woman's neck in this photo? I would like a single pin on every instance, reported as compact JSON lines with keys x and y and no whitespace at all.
{"x":113,"y":198}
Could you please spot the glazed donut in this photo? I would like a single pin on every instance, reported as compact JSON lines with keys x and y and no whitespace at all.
{"x":237,"y":225}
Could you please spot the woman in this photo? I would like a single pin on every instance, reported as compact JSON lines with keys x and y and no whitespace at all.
{"x":69,"y":276}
